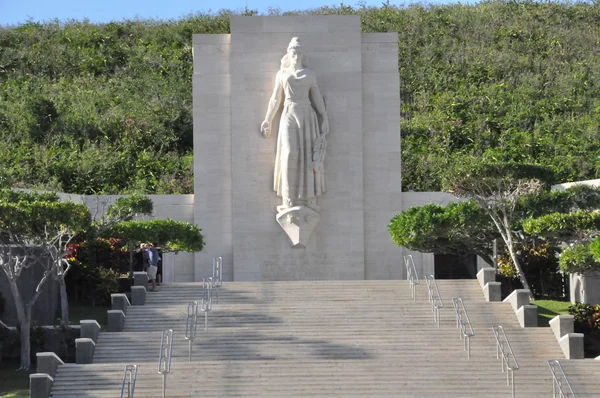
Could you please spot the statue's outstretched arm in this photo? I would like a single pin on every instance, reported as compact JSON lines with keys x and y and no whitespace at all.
{"x":274,"y":103}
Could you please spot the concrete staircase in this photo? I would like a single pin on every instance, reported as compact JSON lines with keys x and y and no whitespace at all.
{"x":326,"y":338}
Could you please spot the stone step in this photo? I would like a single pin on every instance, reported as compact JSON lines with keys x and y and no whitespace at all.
{"x":298,"y":378}
{"x":323,"y":338}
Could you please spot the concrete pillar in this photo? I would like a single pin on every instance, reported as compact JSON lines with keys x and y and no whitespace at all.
{"x":116,"y":320}
{"x":90,"y":329}
{"x":138,"y":295}
{"x":572,"y":345}
{"x":40,"y":385}
{"x":140,"y":279}
{"x":84,"y":350}
{"x":119,"y":301}
{"x":527,"y":316}
{"x":518,"y":298}
{"x":562,"y":324}
{"x":486,"y":275}
{"x":47,"y":362}
{"x":493,"y":291}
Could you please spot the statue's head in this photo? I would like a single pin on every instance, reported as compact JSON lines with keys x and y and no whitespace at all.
{"x":295,"y":55}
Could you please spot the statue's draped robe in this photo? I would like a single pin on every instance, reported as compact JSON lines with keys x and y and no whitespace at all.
{"x":298,"y":130}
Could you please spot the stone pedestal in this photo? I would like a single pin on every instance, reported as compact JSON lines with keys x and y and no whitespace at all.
{"x":90,"y":328}
{"x":119,"y":301}
{"x":298,"y":223}
{"x":138,"y":295}
{"x":486,"y":275}
{"x":48,"y":362}
{"x":84,"y":350}
{"x":40,"y":385}
{"x":140,"y":279}
{"x":572,"y":345}
{"x":493,"y":291}
{"x":116,"y":320}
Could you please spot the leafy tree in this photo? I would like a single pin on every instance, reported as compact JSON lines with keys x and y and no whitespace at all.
{"x":458,"y":228}
{"x":573,"y":227}
{"x":578,"y":259}
{"x":578,"y":230}
{"x":496,"y":188}
{"x":28,"y":227}
{"x":170,"y":235}
{"x":123,"y":209}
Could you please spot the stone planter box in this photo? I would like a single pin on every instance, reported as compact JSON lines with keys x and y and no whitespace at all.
{"x":585,"y":288}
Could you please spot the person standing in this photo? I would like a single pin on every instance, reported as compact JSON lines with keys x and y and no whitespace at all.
{"x":153,"y":258}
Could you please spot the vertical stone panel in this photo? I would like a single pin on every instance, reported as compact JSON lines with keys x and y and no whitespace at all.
{"x":212,"y":152}
{"x":381,"y":129}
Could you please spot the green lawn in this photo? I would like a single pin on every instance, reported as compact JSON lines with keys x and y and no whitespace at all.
{"x":548,"y":309}
{"x":13,"y":384}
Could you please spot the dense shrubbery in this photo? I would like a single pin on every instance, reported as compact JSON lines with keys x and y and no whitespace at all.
{"x":106,"y":108}
{"x":96,"y":265}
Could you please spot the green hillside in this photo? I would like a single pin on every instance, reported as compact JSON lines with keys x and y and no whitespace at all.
{"x":107,"y":108}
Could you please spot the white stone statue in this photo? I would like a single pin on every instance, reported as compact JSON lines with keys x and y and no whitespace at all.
{"x":301,"y":142}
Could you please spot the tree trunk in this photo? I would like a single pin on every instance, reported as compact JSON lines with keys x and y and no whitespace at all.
{"x":503,"y":225}
{"x":516,"y":262}
{"x":24,"y":321}
{"x":26,"y":341}
{"x":64,"y":300}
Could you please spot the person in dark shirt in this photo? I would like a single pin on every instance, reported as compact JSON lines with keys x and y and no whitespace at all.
{"x":139,"y":259}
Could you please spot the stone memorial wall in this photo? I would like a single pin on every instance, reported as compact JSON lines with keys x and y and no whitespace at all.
{"x":235,"y":202}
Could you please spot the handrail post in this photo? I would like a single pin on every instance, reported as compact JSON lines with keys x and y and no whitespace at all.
{"x":461,"y":324}
{"x":164,"y":360}
{"x":207,"y":291}
{"x":411,"y":275}
{"x":131,"y":371}
{"x":504,"y":351}
{"x":435,"y":298}
{"x":191,"y":324}
{"x":217,"y":273}
{"x":556,"y":382}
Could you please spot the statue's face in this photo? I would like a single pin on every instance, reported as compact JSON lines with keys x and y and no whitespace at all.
{"x":295,"y":57}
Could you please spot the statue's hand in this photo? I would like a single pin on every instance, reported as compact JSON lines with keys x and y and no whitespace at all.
{"x":265,"y":129}
{"x":325,"y":127}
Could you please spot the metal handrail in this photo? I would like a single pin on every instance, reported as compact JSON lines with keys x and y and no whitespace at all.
{"x":464,"y":324}
{"x":217,"y":270}
{"x":207,"y":292}
{"x":217,"y":274}
{"x":557,"y":383}
{"x":411,"y":275}
{"x":191,"y":324}
{"x":435,"y":298}
{"x":131,"y":371}
{"x":164,"y":360}
{"x":507,"y":355}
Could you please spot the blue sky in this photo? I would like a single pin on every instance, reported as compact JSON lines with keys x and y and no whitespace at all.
{"x":14,"y":12}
